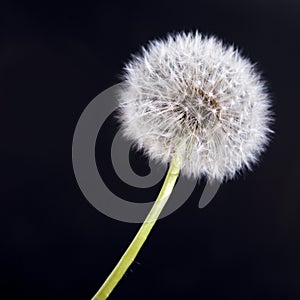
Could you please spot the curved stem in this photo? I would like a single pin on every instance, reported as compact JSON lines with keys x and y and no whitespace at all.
{"x":135,"y":246}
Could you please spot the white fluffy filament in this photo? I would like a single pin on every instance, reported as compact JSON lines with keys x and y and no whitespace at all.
{"x":193,"y":89}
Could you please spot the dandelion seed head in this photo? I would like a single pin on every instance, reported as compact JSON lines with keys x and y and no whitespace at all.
{"x":194,"y":90}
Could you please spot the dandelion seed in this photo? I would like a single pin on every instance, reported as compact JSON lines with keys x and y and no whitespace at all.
{"x":197,"y":66}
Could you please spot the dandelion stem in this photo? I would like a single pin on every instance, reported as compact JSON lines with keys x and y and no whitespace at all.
{"x":135,"y":246}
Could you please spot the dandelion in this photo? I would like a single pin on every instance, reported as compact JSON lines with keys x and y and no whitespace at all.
{"x":194,"y":103}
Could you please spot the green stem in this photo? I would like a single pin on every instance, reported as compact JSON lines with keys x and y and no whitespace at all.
{"x":135,"y":246}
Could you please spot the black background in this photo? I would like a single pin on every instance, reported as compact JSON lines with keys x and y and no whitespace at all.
{"x":55,"y":57}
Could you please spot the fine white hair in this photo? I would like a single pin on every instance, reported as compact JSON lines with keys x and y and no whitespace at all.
{"x":193,"y":90}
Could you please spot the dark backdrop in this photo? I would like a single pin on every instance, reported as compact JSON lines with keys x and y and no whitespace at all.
{"x":55,"y":57}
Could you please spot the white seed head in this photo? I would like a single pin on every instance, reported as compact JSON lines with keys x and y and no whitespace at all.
{"x":192,"y":89}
